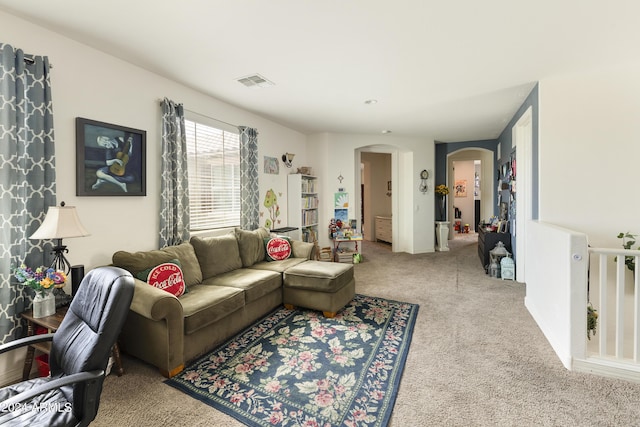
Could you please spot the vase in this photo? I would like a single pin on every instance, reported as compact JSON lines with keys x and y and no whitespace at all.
{"x":443,"y":208}
{"x":44,"y":304}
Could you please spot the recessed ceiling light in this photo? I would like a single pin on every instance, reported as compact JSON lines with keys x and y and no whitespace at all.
{"x":371,"y":101}
{"x":386,"y":131}
{"x":255,"y":81}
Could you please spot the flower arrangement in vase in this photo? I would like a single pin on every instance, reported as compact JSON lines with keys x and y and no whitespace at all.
{"x":43,"y":280}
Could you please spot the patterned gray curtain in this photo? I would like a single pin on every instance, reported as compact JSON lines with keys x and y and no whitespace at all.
{"x":174,"y":199}
{"x":249,"y":197}
{"x":27,"y":181}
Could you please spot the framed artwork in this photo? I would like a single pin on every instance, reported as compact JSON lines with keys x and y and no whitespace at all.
{"x":271,"y":165}
{"x":461,"y":188}
{"x":342,"y":215}
{"x":110,"y":159}
{"x":341,"y":200}
{"x":504,"y":209}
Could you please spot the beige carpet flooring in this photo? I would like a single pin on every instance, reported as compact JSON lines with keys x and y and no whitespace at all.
{"x":477,"y":357}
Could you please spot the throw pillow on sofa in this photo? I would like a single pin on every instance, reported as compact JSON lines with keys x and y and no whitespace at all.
{"x":251,"y":245}
{"x":138,"y":261}
{"x":168,"y":277}
{"x":277,"y":248}
{"x":156,"y":276}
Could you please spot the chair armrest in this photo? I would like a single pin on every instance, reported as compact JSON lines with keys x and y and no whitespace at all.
{"x":154,"y":303}
{"x":33,"y":339}
{"x":51,"y":385}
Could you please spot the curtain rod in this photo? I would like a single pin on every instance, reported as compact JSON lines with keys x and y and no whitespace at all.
{"x":31,"y":61}
{"x":203,"y":115}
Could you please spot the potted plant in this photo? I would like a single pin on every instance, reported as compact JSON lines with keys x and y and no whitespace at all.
{"x":628,"y":240}
{"x":592,"y":320}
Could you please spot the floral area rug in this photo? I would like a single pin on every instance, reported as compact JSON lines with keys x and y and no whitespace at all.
{"x":298,"y":368}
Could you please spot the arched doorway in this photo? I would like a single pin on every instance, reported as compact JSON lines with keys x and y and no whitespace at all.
{"x":486,"y":187}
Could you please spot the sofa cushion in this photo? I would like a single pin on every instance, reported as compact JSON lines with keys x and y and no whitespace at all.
{"x":254,"y":283}
{"x":204,"y":305}
{"x":278,"y":266}
{"x":135,"y":262}
{"x":251,"y":245}
{"x":319,"y":276}
{"x":217,"y":255}
{"x":277,"y":248}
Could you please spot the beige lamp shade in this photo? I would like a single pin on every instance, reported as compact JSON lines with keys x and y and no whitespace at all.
{"x":61,"y":222}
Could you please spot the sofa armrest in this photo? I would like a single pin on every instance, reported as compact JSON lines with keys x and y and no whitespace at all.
{"x":154,"y":329}
{"x":155,"y":304}
{"x":302,"y":249}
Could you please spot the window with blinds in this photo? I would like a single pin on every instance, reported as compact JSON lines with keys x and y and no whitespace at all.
{"x":214,"y":176}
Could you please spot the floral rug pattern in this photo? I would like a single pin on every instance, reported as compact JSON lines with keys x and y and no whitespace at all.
{"x":298,"y":368}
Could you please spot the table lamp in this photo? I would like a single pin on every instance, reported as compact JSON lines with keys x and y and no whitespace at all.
{"x":60,"y":223}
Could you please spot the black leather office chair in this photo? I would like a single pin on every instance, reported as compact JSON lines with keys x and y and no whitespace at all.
{"x":80,"y":351}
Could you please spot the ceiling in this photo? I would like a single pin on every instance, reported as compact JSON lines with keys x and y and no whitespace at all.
{"x":452,"y":71}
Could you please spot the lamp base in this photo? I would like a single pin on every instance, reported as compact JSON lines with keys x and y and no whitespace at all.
{"x":60,"y":262}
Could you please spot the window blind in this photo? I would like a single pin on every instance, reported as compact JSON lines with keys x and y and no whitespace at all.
{"x":214,"y":176}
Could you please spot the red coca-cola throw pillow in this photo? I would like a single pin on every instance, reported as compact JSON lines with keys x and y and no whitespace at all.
{"x":278,"y":248}
{"x":168,"y":277}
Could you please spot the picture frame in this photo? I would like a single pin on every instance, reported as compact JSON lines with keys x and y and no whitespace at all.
{"x":460,"y":188}
{"x":271,"y":165}
{"x":110,"y":159}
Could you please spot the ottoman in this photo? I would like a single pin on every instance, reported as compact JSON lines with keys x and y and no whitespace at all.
{"x":323,"y":286}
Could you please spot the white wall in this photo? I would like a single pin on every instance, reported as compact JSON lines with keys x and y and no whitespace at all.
{"x":589,"y":152}
{"x":556,"y":272}
{"x":413,"y":219}
{"x":88,"y":83}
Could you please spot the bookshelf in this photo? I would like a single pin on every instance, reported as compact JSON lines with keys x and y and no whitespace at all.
{"x":302,"y":206}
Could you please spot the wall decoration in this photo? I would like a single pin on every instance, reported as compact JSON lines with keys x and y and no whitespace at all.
{"x":461,"y":188}
{"x":273,"y":209}
{"x":424,"y":176}
{"x":110,"y":159}
{"x":341,"y":200}
{"x":504,"y":208}
{"x":271,"y":165}
{"x":342,"y":215}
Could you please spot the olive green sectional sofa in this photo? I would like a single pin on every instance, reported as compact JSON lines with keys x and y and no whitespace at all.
{"x":229,"y":286}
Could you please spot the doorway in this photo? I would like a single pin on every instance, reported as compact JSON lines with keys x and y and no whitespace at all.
{"x":466,"y":192}
{"x":376,"y":195}
{"x":475,"y":170}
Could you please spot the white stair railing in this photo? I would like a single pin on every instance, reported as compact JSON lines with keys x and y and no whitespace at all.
{"x":615,"y":294}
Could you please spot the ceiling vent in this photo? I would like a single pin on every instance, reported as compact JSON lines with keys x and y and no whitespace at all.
{"x":255,"y":81}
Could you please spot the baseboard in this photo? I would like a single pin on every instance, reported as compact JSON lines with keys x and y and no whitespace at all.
{"x":608,"y":368}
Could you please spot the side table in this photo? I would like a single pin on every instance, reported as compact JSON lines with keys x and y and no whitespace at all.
{"x":52,"y":323}
{"x":336,"y":245}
